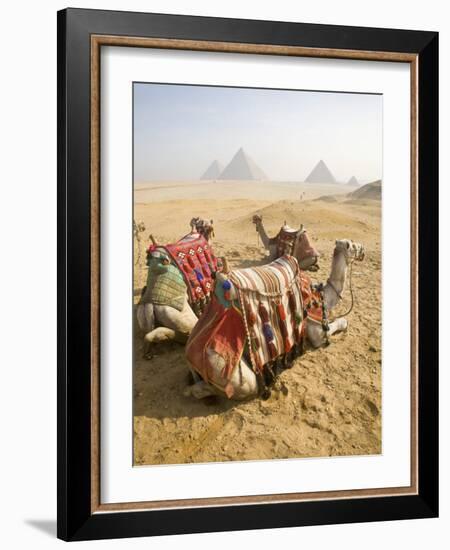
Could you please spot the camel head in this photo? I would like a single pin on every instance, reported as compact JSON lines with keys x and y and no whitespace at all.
{"x":257,"y":219}
{"x":350,"y":249}
{"x":203,"y":227}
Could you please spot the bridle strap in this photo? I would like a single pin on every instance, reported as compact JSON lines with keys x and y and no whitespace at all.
{"x":338,"y":294}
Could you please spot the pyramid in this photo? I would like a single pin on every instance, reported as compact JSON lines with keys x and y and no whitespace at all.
{"x":242,"y":167}
{"x":213,"y":171}
{"x":320,"y":174}
{"x":353,"y":182}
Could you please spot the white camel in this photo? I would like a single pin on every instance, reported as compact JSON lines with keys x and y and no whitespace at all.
{"x":164,"y":322}
{"x":300,"y":246}
{"x":243,"y":380}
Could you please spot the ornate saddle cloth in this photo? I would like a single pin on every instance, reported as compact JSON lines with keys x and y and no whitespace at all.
{"x":286,"y":240}
{"x":165,"y":285}
{"x":294,"y":242}
{"x":270,"y":298}
{"x":196,"y":261}
{"x":260,"y":309}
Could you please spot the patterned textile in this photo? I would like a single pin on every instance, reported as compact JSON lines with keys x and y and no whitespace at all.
{"x":258,"y":309}
{"x":286,"y":240}
{"x":294,"y":242}
{"x":195,"y":259}
{"x":312,"y":300}
{"x":222,"y":330}
{"x":165,"y":284}
{"x":271,"y":300}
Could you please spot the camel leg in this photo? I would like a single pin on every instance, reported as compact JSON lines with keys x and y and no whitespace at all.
{"x":145,"y":315}
{"x":199,"y":390}
{"x":174,"y":325}
{"x":164,"y":334}
{"x":316,"y":334}
{"x":180,"y":321}
{"x":243,"y":383}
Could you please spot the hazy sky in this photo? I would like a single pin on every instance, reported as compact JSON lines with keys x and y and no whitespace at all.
{"x":179,"y":130}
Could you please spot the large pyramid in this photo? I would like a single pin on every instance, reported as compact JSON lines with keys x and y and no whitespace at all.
{"x":213,"y":171}
{"x":242,"y":167}
{"x":353,"y":182}
{"x":321,"y":174}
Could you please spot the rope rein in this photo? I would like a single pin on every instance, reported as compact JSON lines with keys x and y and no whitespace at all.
{"x":351,"y":294}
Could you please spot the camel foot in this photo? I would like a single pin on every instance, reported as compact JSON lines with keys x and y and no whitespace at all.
{"x":199,"y":390}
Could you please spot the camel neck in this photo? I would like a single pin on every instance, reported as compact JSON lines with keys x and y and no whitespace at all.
{"x":262,"y":233}
{"x":336,"y":281}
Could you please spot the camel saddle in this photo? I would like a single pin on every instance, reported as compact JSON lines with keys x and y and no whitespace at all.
{"x":294,"y":242}
{"x":195,"y":259}
{"x":257,"y":309}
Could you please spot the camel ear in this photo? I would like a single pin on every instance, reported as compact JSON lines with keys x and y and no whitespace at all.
{"x":348,"y":245}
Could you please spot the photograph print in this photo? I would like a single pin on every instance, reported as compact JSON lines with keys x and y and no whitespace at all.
{"x":257,"y":274}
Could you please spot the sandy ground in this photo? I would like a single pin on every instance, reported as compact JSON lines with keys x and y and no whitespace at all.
{"x":333,"y":404}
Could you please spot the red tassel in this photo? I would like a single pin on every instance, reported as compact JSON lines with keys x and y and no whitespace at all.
{"x":263,"y":313}
{"x":283,"y":328}
{"x":281,"y":312}
{"x":273,"y":350}
{"x":227,"y":295}
{"x":293,"y":307}
{"x":258,"y":364}
{"x":287,"y":345}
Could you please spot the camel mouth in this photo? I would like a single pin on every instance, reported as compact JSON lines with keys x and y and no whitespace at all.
{"x":360,"y":253}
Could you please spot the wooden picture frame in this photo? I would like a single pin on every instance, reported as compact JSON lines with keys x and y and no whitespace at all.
{"x":81,"y":35}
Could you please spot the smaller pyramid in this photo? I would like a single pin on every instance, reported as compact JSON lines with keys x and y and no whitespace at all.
{"x":320,"y":174}
{"x":242,"y":167}
{"x":353,"y":182}
{"x":213,"y":171}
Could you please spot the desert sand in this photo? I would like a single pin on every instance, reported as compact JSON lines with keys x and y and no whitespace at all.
{"x":333,"y":404}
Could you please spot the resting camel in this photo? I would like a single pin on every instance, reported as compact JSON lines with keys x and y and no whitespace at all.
{"x":233,"y":335}
{"x":178,"y":285}
{"x":288,"y":241}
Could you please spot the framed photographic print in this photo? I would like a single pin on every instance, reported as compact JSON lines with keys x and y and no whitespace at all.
{"x":248,"y":300}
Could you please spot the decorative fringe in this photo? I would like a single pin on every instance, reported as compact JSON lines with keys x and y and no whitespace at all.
{"x":268,"y":332}
{"x":281,"y":312}
{"x":264,"y":314}
{"x":272,"y":349}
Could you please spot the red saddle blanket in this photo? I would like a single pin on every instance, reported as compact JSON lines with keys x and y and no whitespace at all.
{"x":258,"y":309}
{"x":294,"y":242}
{"x":196,"y":260}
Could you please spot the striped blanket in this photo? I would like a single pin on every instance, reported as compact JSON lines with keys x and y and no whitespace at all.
{"x":257,"y":311}
{"x":194,"y":257}
{"x":270,"y":298}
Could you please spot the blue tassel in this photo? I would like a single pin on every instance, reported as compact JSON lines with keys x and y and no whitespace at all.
{"x":226,"y":285}
{"x":268,"y":332}
{"x":199,"y":275}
